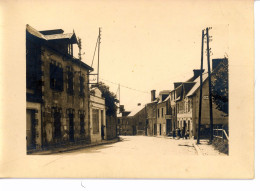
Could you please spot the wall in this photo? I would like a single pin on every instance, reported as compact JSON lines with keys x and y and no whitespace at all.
{"x":111,"y":127}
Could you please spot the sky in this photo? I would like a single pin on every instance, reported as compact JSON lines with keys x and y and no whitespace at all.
{"x":145,"y":45}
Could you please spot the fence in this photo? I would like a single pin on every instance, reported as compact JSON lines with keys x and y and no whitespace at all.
{"x":221,"y":132}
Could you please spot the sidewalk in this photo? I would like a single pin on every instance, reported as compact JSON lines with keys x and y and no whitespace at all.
{"x":73,"y":147}
{"x":204,"y":148}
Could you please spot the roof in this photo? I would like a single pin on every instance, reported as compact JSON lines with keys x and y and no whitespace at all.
{"x":70,"y":36}
{"x":47,"y":38}
{"x":34,"y":32}
{"x":48,"y":35}
{"x":197,"y":85}
{"x":135,"y":111}
{"x":53,"y":31}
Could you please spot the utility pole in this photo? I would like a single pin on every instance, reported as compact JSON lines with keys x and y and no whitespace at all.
{"x":210,"y":95}
{"x":99,"y":38}
{"x":119,"y":94}
{"x":200,"y":100}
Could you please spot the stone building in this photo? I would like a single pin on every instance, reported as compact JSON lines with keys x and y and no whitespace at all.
{"x":57,"y":91}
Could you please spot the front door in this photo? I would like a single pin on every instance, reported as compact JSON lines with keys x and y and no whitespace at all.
{"x":71,"y":128}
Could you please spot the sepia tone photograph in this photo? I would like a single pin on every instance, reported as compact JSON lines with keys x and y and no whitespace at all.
{"x":131,"y":90}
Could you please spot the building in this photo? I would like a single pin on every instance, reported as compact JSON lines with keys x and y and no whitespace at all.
{"x":185,"y":100}
{"x":164,"y":114}
{"x":139,"y":120}
{"x":151,"y":109}
{"x":125,"y":124}
{"x":98,"y":130}
{"x":57,"y":91}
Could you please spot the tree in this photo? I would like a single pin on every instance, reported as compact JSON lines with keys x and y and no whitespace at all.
{"x":110,"y":98}
{"x":220,"y":86}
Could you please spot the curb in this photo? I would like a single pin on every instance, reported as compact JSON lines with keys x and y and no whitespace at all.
{"x":197,"y":149}
{"x":62,"y":150}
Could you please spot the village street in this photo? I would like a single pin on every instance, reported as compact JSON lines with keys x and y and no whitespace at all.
{"x":136,"y":154}
{"x":139,"y":146}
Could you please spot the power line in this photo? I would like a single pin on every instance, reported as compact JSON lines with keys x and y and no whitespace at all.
{"x":125,"y":86}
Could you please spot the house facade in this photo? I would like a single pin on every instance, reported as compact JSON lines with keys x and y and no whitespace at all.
{"x":98,"y":130}
{"x":164,"y":114}
{"x":57,"y":92}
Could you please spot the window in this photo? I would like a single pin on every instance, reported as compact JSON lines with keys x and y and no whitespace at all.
{"x":158,"y":113}
{"x":95,"y":121}
{"x":57,"y":123}
{"x":70,"y":88}
{"x":82,"y":123}
{"x":56,"y":76}
{"x":189,"y":105}
{"x":81,"y":86}
{"x":162,"y":112}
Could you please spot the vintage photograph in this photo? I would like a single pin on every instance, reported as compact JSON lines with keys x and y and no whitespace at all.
{"x":127,"y":89}
{"x":70,"y":107}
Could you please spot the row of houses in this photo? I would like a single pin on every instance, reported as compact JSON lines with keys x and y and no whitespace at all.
{"x":61,"y":109}
{"x":176,"y":108}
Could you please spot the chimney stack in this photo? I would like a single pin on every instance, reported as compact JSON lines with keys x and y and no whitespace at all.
{"x":152,"y":95}
{"x":197,"y":72}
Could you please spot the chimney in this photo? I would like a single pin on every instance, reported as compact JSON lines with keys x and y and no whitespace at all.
{"x":121,"y":108}
{"x":197,"y":73}
{"x":152,"y":95}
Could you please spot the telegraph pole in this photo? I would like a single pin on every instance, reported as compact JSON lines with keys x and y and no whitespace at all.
{"x":200,"y":100}
{"x":99,"y":38}
{"x":210,"y":95}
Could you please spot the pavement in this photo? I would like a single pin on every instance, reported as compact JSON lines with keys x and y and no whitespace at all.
{"x":204,"y":148}
{"x":73,"y":147}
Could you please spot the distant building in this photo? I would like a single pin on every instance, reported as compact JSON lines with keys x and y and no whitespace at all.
{"x":125,"y":124}
{"x":57,"y":92}
{"x":151,"y":109}
{"x":164,"y":114}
